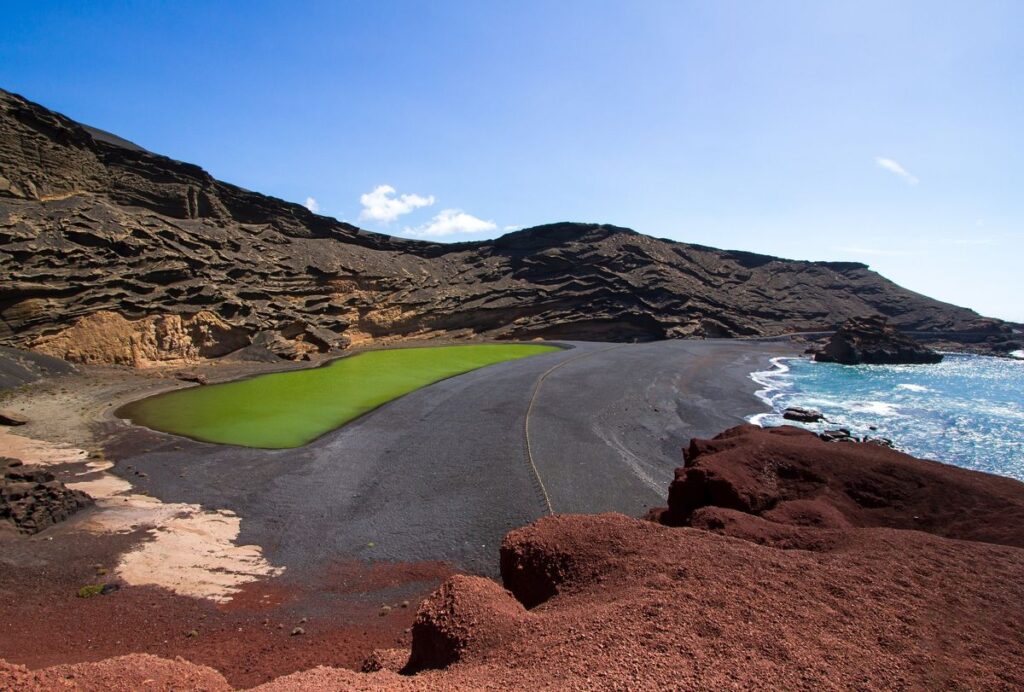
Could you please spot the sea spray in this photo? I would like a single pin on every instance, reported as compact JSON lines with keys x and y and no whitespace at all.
{"x":967,"y":410}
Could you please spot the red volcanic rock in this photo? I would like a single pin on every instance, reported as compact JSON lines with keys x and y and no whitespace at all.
{"x":644,"y":606}
{"x":789,"y":476}
{"x":464,"y":615}
{"x":393,"y":660}
{"x":121,"y":674}
{"x":815,"y":584}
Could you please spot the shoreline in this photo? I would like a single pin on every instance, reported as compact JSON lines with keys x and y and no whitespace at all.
{"x":374,"y":513}
{"x":925,"y":410}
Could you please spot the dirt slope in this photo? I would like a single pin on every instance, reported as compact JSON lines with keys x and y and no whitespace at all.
{"x":815,"y":589}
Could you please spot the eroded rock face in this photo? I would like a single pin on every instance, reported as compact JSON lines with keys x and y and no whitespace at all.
{"x":871,"y":341}
{"x":107,"y":337}
{"x":92,"y":225}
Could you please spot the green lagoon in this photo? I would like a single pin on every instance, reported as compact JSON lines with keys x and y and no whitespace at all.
{"x":290,"y":409}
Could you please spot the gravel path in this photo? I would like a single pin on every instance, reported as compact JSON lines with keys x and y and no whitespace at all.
{"x":443,"y":473}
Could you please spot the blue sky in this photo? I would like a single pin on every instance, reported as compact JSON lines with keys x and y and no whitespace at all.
{"x":885,"y":132}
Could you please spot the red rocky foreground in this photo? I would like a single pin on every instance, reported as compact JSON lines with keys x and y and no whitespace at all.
{"x":841,"y":565}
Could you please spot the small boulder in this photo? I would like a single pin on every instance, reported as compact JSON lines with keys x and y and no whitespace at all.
{"x":386,"y":659}
{"x":840,"y":435}
{"x":803,"y":415}
{"x":196,"y":377}
{"x":8,"y":417}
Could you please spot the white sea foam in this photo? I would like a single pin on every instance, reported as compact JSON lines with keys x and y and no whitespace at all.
{"x":1017,"y":354}
{"x":760,"y":418}
{"x":879,"y":408}
{"x":967,"y":410}
{"x":771,"y":387}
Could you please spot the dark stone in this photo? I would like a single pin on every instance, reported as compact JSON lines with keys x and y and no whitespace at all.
{"x":802,"y":415}
{"x":840,"y":435}
{"x":32,"y":498}
{"x":196,"y":377}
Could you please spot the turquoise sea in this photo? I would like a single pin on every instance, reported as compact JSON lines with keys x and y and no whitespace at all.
{"x":967,"y":410}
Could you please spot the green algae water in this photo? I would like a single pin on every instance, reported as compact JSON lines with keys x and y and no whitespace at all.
{"x":290,"y":409}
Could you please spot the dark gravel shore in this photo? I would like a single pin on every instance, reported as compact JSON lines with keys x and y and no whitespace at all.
{"x":443,"y":473}
{"x":378,"y":512}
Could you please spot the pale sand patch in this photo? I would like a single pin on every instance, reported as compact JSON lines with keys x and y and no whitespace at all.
{"x":96,"y":467}
{"x":195,"y":555}
{"x":192,"y":551}
{"x":39,"y":452}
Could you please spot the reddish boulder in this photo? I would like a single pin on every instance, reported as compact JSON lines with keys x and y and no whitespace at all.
{"x":764,"y":471}
{"x":466,"y":614}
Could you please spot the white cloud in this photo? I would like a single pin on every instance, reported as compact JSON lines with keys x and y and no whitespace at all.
{"x":509,"y":229}
{"x":896,"y":168}
{"x":450,"y":222}
{"x":312,"y":205}
{"x":384,"y":206}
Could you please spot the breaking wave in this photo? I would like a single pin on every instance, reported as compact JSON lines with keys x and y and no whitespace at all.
{"x":967,"y":410}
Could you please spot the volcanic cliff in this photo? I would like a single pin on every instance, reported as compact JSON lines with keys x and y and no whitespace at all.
{"x":111,"y":253}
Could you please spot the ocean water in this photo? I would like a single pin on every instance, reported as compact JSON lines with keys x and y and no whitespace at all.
{"x":967,"y":410}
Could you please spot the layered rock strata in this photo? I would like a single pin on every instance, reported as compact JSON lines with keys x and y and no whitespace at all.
{"x":114,"y":254}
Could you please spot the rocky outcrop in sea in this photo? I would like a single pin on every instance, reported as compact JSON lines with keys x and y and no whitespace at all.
{"x":873,"y":341}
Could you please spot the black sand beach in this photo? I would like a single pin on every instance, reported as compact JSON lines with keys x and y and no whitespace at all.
{"x":444,"y":473}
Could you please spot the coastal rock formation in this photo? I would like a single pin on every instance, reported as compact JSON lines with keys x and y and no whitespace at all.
{"x":871,"y":341}
{"x":31,"y":498}
{"x":107,"y":337}
{"x":788,"y":475}
{"x":114,"y":254}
